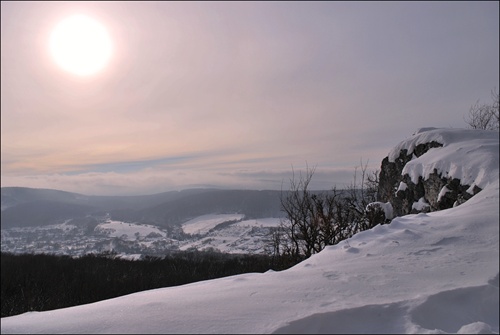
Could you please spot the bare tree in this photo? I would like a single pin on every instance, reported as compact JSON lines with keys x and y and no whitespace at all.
{"x":484,"y":116}
{"x":360,"y":194}
{"x":314,"y":220}
{"x":299,"y":226}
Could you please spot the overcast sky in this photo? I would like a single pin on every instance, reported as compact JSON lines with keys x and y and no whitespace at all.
{"x":236,"y":94}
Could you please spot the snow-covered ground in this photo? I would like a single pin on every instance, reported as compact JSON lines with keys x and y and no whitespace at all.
{"x":267,"y":222}
{"x":424,"y":273}
{"x":128,"y":231}
{"x":246,"y":236}
{"x":202,"y":224}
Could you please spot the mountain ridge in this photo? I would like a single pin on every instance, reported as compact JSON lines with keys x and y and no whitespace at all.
{"x":22,"y":206}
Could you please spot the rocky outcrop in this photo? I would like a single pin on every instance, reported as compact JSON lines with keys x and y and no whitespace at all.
{"x":379,"y":212}
{"x":436,"y":192}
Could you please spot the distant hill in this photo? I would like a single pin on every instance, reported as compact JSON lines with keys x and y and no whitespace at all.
{"x":36,"y":207}
{"x":13,"y":196}
{"x":253,"y":204}
{"x":42,"y":212}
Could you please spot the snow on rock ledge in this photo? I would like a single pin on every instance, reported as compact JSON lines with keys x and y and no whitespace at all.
{"x":379,"y":212}
{"x":441,"y":167}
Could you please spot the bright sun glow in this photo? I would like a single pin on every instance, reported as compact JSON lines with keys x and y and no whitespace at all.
{"x":80,"y":45}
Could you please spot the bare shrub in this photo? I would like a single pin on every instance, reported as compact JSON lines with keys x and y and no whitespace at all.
{"x":484,"y":116}
{"x":314,"y":220}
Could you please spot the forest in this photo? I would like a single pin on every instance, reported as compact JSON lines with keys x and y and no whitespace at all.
{"x":40,"y":282}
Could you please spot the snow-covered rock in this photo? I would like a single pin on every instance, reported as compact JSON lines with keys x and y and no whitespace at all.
{"x":437,"y":168}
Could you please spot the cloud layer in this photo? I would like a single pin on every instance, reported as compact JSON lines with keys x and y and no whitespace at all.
{"x":234,"y":94}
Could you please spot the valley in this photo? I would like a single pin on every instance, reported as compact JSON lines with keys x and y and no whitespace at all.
{"x":230,"y":233}
{"x":64,"y":223}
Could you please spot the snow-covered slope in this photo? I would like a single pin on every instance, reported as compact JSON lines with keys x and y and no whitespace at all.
{"x":203,"y":224}
{"x":242,"y":237}
{"x":425,"y":273}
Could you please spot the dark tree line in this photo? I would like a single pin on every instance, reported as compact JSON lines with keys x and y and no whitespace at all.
{"x":38,"y":282}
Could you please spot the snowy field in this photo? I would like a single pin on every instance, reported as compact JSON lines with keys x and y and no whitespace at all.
{"x":64,"y":226}
{"x":202,"y":224}
{"x":432,"y":273}
{"x":246,"y":236}
{"x":267,"y":222}
{"x":128,"y":231}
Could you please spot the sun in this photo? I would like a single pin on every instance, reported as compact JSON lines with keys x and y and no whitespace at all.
{"x":80,"y":45}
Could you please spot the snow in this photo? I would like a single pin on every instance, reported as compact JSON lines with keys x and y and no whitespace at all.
{"x":421,"y":205}
{"x":470,"y":190}
{"x":266,"y":222}
{"x":443,"y":192}
{"x":202,"y":224}
{"x":385,"y":206}
{"x":466,"y":155}
{"x":242,"y":237}
{"x":432,"y":272}
{"x":61,"y":226}
{"x":129,"y":231}
{"x":402,"y":186}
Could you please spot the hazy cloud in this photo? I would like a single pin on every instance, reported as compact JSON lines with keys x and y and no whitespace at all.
{"x":198,"y":92}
